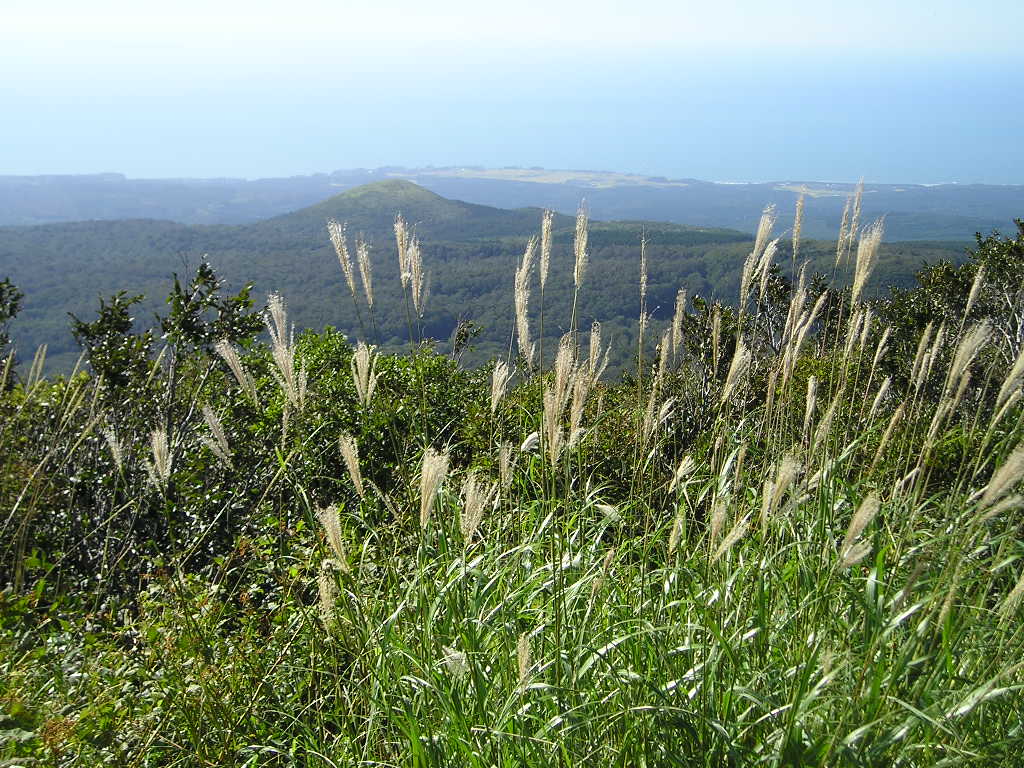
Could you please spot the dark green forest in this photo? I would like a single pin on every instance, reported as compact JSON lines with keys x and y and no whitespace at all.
{"x":470,"y":253}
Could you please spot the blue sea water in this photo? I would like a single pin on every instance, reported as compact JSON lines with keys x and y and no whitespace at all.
{"x":726,"y":118}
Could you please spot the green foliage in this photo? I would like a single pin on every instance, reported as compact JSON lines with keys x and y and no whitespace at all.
{"x":10,"y":303}
{"x":944,"y":290}
{"x":187,"y":326}
{"x":114,"y":351}
{"x":756,"y":546}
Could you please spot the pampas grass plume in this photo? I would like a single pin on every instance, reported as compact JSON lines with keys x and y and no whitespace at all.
{"x":350,"y":454}
{"x":432,"y":474}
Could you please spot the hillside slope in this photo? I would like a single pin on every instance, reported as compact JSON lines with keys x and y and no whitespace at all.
{"x":470,"y":252}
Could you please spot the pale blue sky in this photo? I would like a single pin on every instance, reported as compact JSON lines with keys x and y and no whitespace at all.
{"x":892,"y":91}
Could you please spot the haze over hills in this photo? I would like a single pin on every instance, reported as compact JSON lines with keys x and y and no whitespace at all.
{"x":913,"y":212}
{"x":470,"y":252}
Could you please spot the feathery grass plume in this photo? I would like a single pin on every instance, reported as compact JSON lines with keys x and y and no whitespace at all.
{"x":580,"y":389}
{"x":402,"y":243}
{"x":505,"y":464}
{"x":852,"y":551}
{"x":218,"y":443}
{"x":1012,"y":600}
{"x":643,"y":268}
{"x":35,"y":371}
{"x":364,"y":372}
{"x":968,"y":348}
{"x":476,"y":495}
{"x":764,"y":269}
{"x":803,"y":327}
{"x":365,"y":268}
{"x":675,"y":535}
{"x":500,"y":377}
{"x":663,"y":351}
{"x":643,"y":296}
{"x":882,"y":347}
{"x":350,"y":454}
{"x":545,"y":246}
{"x":865,"y":329}
{"x":282,"y":348}
{"x":867,"y":257}
{"x":716,"y":338}
{"x":417,"y":279}
{"x":933,"y":353}
{"x":580,"y":246}
{"x":235,"y":365}
{"x":922,"y":350}
{"x":432,"y":474}
{"x":843,"y":229}
{"x":890,"y":428}
{"x":883,"y":390}
{"x":1014,"y":501}
{"x":850,"y":224}
{"x":530,"y":443}
{"x":329,"y":519}
{"x":116,"y":452}
{"x":785,"y":476}
{"x":677,"y":323}
{"x":796,"y":305}
{"x":1010,"y":402}
{"x":718,"y":509}
{"x":741,"y":456}
{"x":455,"y":661}
{"x":853,"y":327}
{"x":339,"y":239}
{"x":731,"y":538}
{"x":764,"y":231}
{"x":596,"y":362}
{"x":159,"y":469}
{"x":648,"y":424}
{"x":565,"y":365}
{"x":858,"y":199}
{"x":944,"y":408}
{"x":1004,"y":479}
{"x":972,"y":297}
{"x":552,"y":421}
{"x":683,"y":471}
{"x":328,"y":593}
{"x":824,"y":427}
{"x":769,"y":396}
{"x":1012,"y":381}
{"x":753,"y":264}
{"x":522,"y":301}
{"x":738,"y":369}
{"x":798,"y":225}
{"x":523,"y":659}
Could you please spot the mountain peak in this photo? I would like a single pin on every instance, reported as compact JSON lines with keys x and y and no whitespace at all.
{"x":396,"y":190}
{"x":371,"y":209}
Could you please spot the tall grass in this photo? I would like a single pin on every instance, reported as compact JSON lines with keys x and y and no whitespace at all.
{"x":760,"y":551}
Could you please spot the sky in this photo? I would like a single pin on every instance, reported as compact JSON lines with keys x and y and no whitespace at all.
{"x":731,"y":90}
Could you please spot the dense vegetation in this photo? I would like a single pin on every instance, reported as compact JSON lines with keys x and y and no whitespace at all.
{"x":790,"y":535}
{"x":470,"y":253}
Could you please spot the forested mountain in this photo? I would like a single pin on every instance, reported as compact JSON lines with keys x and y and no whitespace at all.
{"x":470,"y":255}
